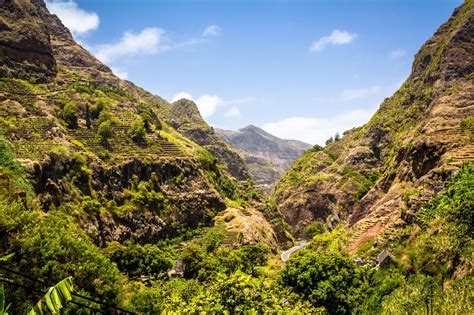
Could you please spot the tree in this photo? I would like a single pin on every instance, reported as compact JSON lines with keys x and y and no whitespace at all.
{"x":105,"y":132}
{"x":337,"y":137}
{"x":330,"y":280}
{"x":88,"y":117}
{"x":69,"y":114}
{"x":315,"y":228}
{"x":329,"y":141}
{"x":137,"y":130}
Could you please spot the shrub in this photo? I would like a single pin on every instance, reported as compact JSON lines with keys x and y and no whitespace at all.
{"x":69,"y":114}
{"x":137,"y":130}
{"x":315,"y":228}
{"x":105,"y":132}
{"x":136,"y":260}
{"x":330,"y":280}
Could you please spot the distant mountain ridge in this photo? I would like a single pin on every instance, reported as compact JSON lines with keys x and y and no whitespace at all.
{"x":266,"y":156}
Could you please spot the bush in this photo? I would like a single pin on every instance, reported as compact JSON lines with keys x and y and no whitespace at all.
{"x":137,"y":131}
{"x":329,"y":280}
{"x":137,"y":260}
{"x":105,"y":132}
{"x":69,"y":114}
{"x":315,"y":228}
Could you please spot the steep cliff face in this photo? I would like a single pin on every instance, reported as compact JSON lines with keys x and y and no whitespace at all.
{"x":25,"y":47}
{"x":93,"y":141}
{"x":185,"y":117}
{"x":268,"y":157}
{"x":377,"y":176}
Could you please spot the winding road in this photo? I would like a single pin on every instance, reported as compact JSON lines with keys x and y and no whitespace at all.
{"x":299,"y":246}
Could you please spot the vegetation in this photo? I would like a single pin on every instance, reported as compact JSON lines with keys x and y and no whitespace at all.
{"x":105,"y":132}
{"x":137,"y":131}
{"x":70,"y":114}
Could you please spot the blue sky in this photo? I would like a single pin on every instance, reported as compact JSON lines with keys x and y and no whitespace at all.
{"x":300,"y":69}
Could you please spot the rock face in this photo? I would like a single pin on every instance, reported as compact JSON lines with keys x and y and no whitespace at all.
{"x":377,"y":176}
{"x":268,"y":157}
{"x":25,"y":46}
{"x":184,"y":116}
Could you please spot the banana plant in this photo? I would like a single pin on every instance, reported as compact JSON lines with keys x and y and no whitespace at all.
{"x":55,"y":298}
{"x":3,"y":309}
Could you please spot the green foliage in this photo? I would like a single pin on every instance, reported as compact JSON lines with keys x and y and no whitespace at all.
{"x":105,"y":132}
{"x":329,"y":141}
{"x":55,"y":298}
{"x":467,"y":125}
{"x":70,"y":114}
{"x":314,"y":229}
{"x":3,"y":308}
{"x":369,"y":181}
{"x":12,"y":174}
{"x":54,"y":247}
{"x":145,"y":197}
{"x":330,"y":280}
{"x":432,"y":277}
{"x":455,"y":203}
{"x":137,"y":131}
{"x":101,"y":103}
{"x":137,"y":260}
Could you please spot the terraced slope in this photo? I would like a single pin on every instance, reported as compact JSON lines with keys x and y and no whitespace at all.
{"x":88,"y":137}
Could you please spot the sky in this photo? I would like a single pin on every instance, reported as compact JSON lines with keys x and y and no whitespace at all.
{"x":298,"y":69}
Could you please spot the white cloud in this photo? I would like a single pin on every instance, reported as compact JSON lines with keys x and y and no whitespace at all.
{"x":233,"y":112}
{"x":74,"y":18}
{"x":397,"y":53}
{"x":316,"y":130}
{"x":212,"y":30}
{"x":120,"y":73}
{"x":347,"y":95}
{"x":353,"y":94}
{"x":337,"y":37}
{"x":181,"y":95}
{"x":148,"y":41}
{"x":207,"y":104}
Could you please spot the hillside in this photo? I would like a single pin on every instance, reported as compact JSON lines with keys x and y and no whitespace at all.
{"x":102,"y":166}
{"x":376,"y":178}
{"x":267,"y":157}
{"x":115,"y":201}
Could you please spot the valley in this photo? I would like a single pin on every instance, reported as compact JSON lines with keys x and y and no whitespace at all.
{"x":114,"y":200}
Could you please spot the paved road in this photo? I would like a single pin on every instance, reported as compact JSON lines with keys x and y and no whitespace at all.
{"x":287,"y":253}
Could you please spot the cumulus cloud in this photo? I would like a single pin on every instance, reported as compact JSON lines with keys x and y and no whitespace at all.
{"x":74,"y":18}
{"x":147,"y":41}
{"x":397,"y":53}
{"x":337,"y":37}
{"x":234,"y":111}
{"x":316,"y":130}
{"x":207,"y":104}
{"x":212,"y":30}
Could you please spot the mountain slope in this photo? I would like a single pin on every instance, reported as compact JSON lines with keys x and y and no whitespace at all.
{"x":267,"y":156}
{"x":375,"y":178}
{"x":184,"y":116}
{"x":90,"y":167}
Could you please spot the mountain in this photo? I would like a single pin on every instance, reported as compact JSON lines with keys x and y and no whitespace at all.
{"x":113,"y":200}
{"x":92,"y":166}
{"x":184,"y":116}
{"x":268,"y":157}
{"x":375,"y":179}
